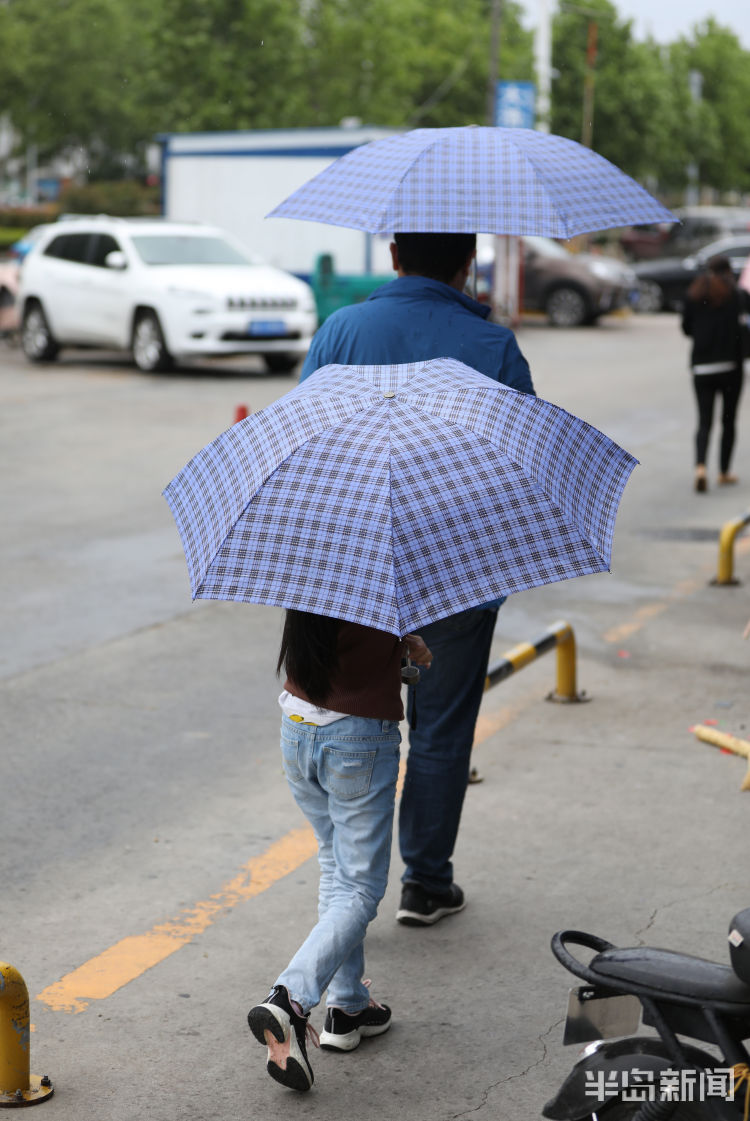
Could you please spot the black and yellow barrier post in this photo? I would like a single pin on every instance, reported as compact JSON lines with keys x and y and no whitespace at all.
{"x":560,"y":636}
{"x":729,"y":531}
{"x":17,"y":1086}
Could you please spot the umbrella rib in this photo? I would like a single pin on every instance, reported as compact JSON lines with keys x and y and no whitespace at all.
{"x":433,"y":142}
{"x":554,"y":204}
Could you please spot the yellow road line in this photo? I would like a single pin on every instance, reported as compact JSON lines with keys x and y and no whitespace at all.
{"x":642,"y":615}
{"x":681,"y":590}
{"x":109,"y":971}
{"x":488,"y":724}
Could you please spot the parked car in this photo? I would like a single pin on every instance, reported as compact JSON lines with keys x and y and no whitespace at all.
{"x":571,"y":288}
{"x":698,"y":225}
{"x":20,"y":248}
{"x":663,"y":283}
{"x":165,"y":290}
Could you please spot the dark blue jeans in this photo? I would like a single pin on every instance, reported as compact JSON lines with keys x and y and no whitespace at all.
{"x":707,"y":388}
{"x":447,"y":701}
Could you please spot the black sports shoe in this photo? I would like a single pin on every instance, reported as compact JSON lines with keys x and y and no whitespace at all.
{"x":276,"y":1024}
{"x":420,"y":907}
{"x":343,"y":1032}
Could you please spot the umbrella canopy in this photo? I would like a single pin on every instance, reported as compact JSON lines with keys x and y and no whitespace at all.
{"x":474,"y":180}
{"x":396,"y":495}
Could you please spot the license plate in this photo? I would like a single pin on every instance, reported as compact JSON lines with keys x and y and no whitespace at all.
{"x":266,"y":327}
{"x":592,"y":1015}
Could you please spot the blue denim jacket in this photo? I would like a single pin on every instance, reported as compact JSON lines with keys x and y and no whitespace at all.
{"x":414,"y":318}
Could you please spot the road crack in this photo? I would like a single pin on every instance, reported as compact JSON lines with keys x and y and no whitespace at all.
{"x":541,"y":1040}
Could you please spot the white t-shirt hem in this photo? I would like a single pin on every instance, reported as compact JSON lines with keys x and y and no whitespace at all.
{"x":303,"y":712}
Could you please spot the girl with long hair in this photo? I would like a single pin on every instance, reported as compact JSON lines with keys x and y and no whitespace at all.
{"x":341,"y":709}
{"x":713,"y":318}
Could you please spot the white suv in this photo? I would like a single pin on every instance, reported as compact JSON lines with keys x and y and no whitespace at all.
{"x":165,"y":290}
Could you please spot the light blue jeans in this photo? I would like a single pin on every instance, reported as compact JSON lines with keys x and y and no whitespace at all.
{"x":343,"y":778}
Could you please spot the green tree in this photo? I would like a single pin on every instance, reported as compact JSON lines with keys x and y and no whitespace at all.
{"x":717,"y":125}
{"x":228,"y":64}
{"x":403,"y":63}
{"x":105,"y":76}
{"x":225,"y":64}
{"x":645,"y":119}
{"x":624,"y":81}
{"x":70,"y":73}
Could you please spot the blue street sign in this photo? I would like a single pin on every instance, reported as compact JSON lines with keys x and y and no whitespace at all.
{"x":515,"y":104}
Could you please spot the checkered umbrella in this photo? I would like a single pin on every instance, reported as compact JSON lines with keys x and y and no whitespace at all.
{"x":474,"y":180}
{"x":396,"y":495}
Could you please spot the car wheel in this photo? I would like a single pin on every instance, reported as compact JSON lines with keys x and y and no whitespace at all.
{"x":150,"y":352}
{"x":650,"y":297}
{"x":38,"y":342}
{"x":566,"y":307}
{"x":280,"y":363}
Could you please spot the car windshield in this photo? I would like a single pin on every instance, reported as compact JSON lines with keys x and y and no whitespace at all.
{"x":546,"y":247}
{"x":187,"y":249}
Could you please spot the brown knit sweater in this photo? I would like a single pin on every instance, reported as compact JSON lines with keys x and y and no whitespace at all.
{"x":367,"y":681}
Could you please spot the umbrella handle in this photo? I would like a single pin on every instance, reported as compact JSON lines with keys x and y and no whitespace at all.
{"x":409,"y":672}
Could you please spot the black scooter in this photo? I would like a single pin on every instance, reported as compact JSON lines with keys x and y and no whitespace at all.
{"x":625,"y":1077}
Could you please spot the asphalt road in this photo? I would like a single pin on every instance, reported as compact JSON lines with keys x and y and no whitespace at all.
{"x":155,"y":874}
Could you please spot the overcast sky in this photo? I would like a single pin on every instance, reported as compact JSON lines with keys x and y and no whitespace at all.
{"x":667,"y":19}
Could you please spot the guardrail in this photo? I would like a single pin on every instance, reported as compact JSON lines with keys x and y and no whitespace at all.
{"x":729,"y":531}
{"x":558,"y":636}
{"x":17,"y":1086}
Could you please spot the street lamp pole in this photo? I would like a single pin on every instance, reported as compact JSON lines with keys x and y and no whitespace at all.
{"x":543,"y":65}
{"x":494,"y":62}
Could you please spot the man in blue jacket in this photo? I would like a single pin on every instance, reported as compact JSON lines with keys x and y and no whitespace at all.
{"x":424,"y":314}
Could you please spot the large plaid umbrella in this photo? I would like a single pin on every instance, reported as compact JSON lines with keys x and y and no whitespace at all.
{"x":474,"y":180}
{"x":396,"y":495}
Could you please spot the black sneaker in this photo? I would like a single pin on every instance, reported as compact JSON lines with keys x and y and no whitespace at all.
{"x":276,"y":1024}
{"x":420,"y":907}
{"x":343,"y":1032}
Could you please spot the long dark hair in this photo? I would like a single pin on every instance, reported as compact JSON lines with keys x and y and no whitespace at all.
{"x":714,"y":286}
{"x":309,"y":653}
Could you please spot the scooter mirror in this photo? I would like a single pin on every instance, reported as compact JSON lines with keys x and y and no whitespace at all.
{"x":739,"y":944}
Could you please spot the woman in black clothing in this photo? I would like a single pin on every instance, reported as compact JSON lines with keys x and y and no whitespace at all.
{"x":713,"y":318}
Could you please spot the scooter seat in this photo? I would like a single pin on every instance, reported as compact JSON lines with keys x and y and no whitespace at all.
{"x":671,"y":975}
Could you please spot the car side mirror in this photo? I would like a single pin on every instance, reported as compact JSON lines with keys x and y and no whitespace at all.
{"x":116,"y":260}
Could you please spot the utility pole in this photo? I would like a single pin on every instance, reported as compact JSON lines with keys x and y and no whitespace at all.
{"x":493,"y":70}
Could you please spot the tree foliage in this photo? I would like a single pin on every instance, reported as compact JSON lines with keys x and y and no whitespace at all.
{"x":107,"y":76}
{"x":645,"y":117}
{"x":717,"y":123}
{"x":70,"y":73}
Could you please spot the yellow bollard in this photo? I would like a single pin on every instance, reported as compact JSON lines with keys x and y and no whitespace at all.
{"x":725,"y":573}
{"x":566,"y":663}
{"x":559,"y":635}
{"x":17,"y":1086}
{"x":729,"y":743}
